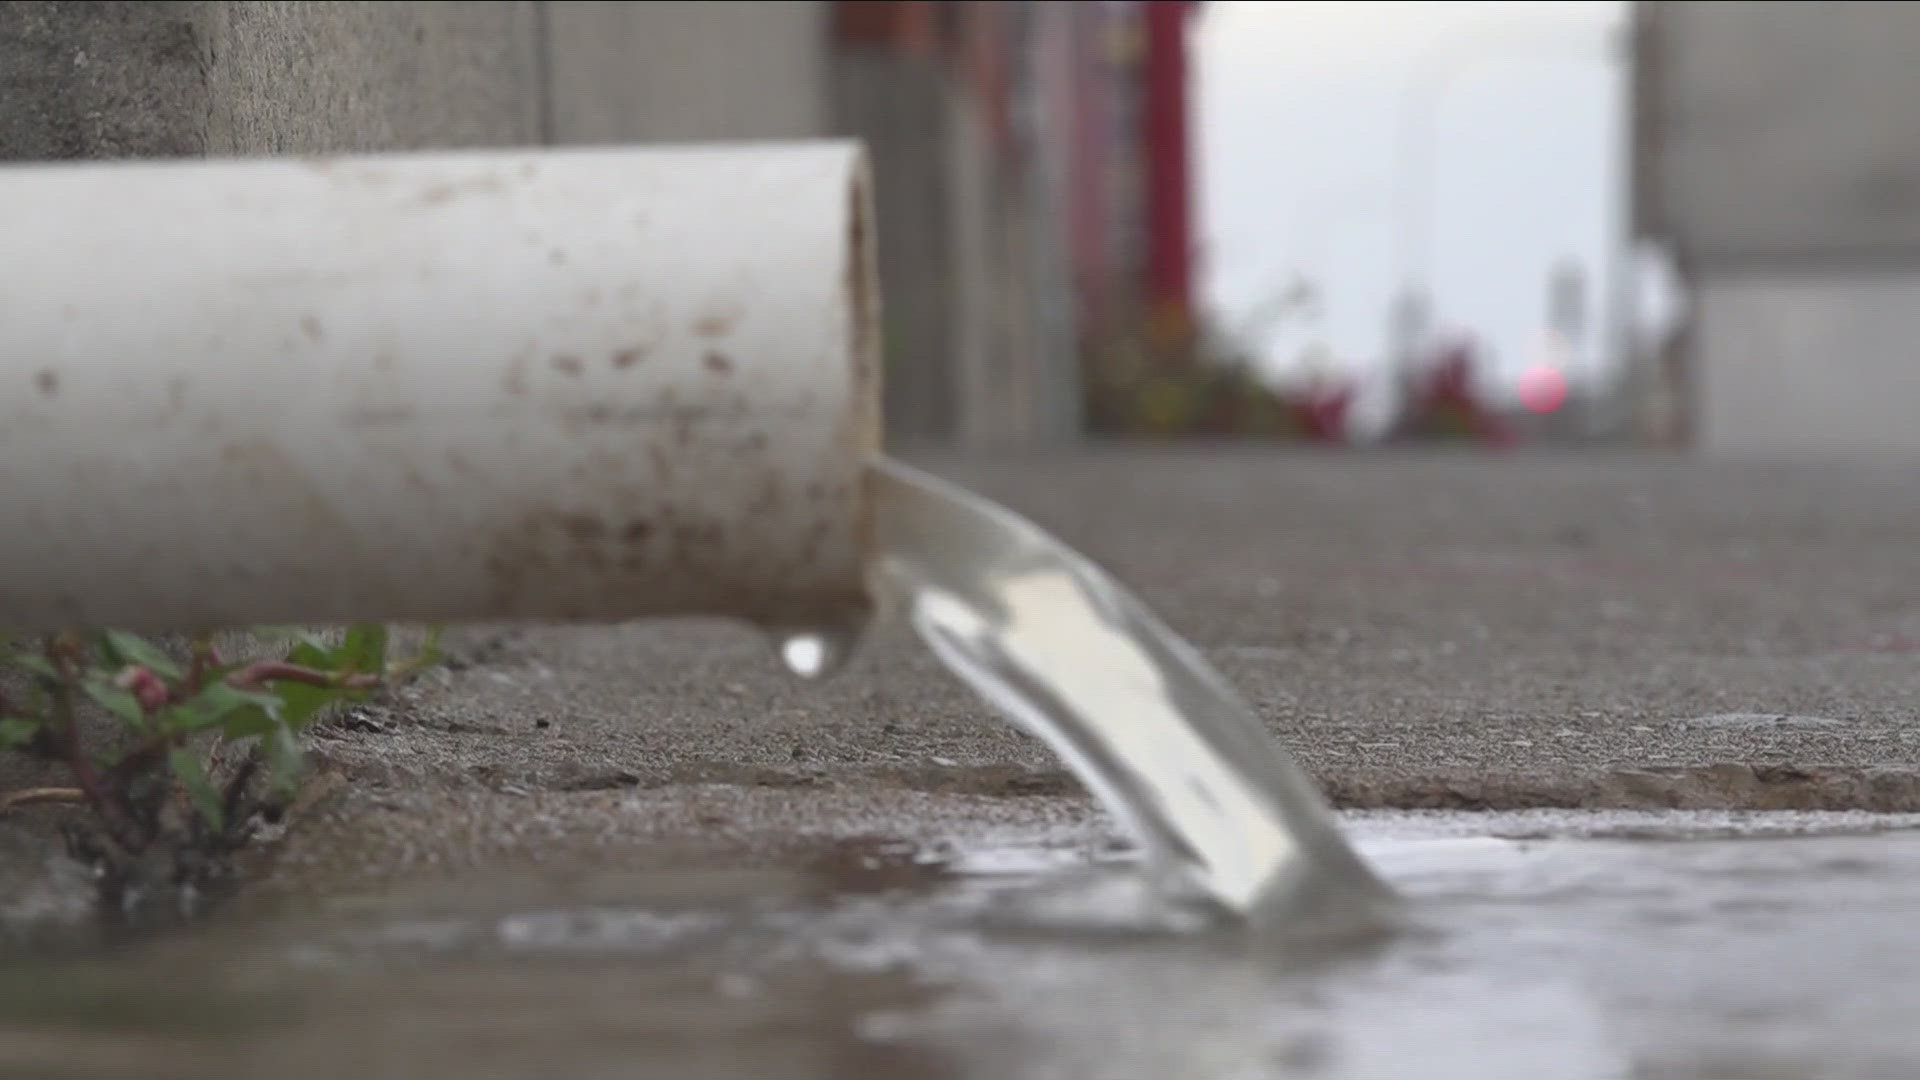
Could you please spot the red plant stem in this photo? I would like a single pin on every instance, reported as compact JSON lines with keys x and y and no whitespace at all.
{"x":121,"y":825}
{"x":262,"y":672}
{"x":106,"y":803}
{"x":77,"y":759}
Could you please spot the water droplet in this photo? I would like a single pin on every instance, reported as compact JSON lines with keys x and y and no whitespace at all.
{"x":816,"y":654}
{"x":804,"y":655}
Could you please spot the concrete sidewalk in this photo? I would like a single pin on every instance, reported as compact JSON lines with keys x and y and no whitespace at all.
{"x":1425,"y":629}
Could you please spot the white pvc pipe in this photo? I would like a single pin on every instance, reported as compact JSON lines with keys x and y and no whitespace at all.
{"x":586,"y":384}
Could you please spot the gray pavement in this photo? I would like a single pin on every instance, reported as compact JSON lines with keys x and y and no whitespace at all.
{"x":1442,"y":630}
{"x":1422,"y":629}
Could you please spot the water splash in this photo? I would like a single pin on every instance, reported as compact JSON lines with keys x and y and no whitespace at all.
{"x":1221,"y":812}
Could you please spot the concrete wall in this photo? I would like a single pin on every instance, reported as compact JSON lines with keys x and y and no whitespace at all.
{"x":300,"y":77}
{"x":1817,"y":363}
{"x":1778,"y":150}
{"x":902,"y":106}
{"x":89,"y":80}
{"x":101,"y":80}
{"x":972,"y":256}
{"x":689,"y":71}
{"x":1785,"y":130}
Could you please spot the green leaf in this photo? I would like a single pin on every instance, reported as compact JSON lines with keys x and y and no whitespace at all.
{"x":314,"y":654}
{"x":283,"y":759}
{"x":300,"y":703}
{"x":120,"y":703}
{"x":217,"y":704}
{"x":186,"y":766}
{"x":134,"y":649}
{"x":248,"y":723}
{"x":17,"y":731}
{"x":429,"y":653}
{"x":365,"y":649}
{"x":34,"y":662}
{"x":303,"y":703}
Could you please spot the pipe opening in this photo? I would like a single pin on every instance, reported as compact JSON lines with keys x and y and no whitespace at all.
{"x":863,"y":295}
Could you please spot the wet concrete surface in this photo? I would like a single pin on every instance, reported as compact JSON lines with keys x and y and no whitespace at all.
{"x":1572,"y":944}
{"x":1432,"y":630}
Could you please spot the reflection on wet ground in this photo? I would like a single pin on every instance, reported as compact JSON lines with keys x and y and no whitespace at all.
{"x":1563,"y":945}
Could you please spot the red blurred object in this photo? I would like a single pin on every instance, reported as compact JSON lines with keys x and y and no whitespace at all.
{"x":1447,"y":397}
{"x":1169,"y":178}
{"x":905,"y":26}
{"x":1543,"y":388}
{"x":1321,"y":411}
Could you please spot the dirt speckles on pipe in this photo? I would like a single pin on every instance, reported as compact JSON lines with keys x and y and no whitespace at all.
{"x":579,"y":384}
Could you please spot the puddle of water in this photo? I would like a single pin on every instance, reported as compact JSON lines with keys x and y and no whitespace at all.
{"x":1221,"y":812}
{"x":1713,"y":954}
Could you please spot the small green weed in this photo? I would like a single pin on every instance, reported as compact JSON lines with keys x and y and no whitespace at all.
{"x":156,"y":805}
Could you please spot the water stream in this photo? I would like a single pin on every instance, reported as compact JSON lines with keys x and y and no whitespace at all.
{"x":1222,"y":814}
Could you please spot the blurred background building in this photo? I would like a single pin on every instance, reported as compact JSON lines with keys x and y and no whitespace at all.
{"x":1777,"y":152}
{"x":1035,"y":195}
{"x":1672,"y":222}
{"x":1032,"y":158}
{"x":1447,"y":178}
